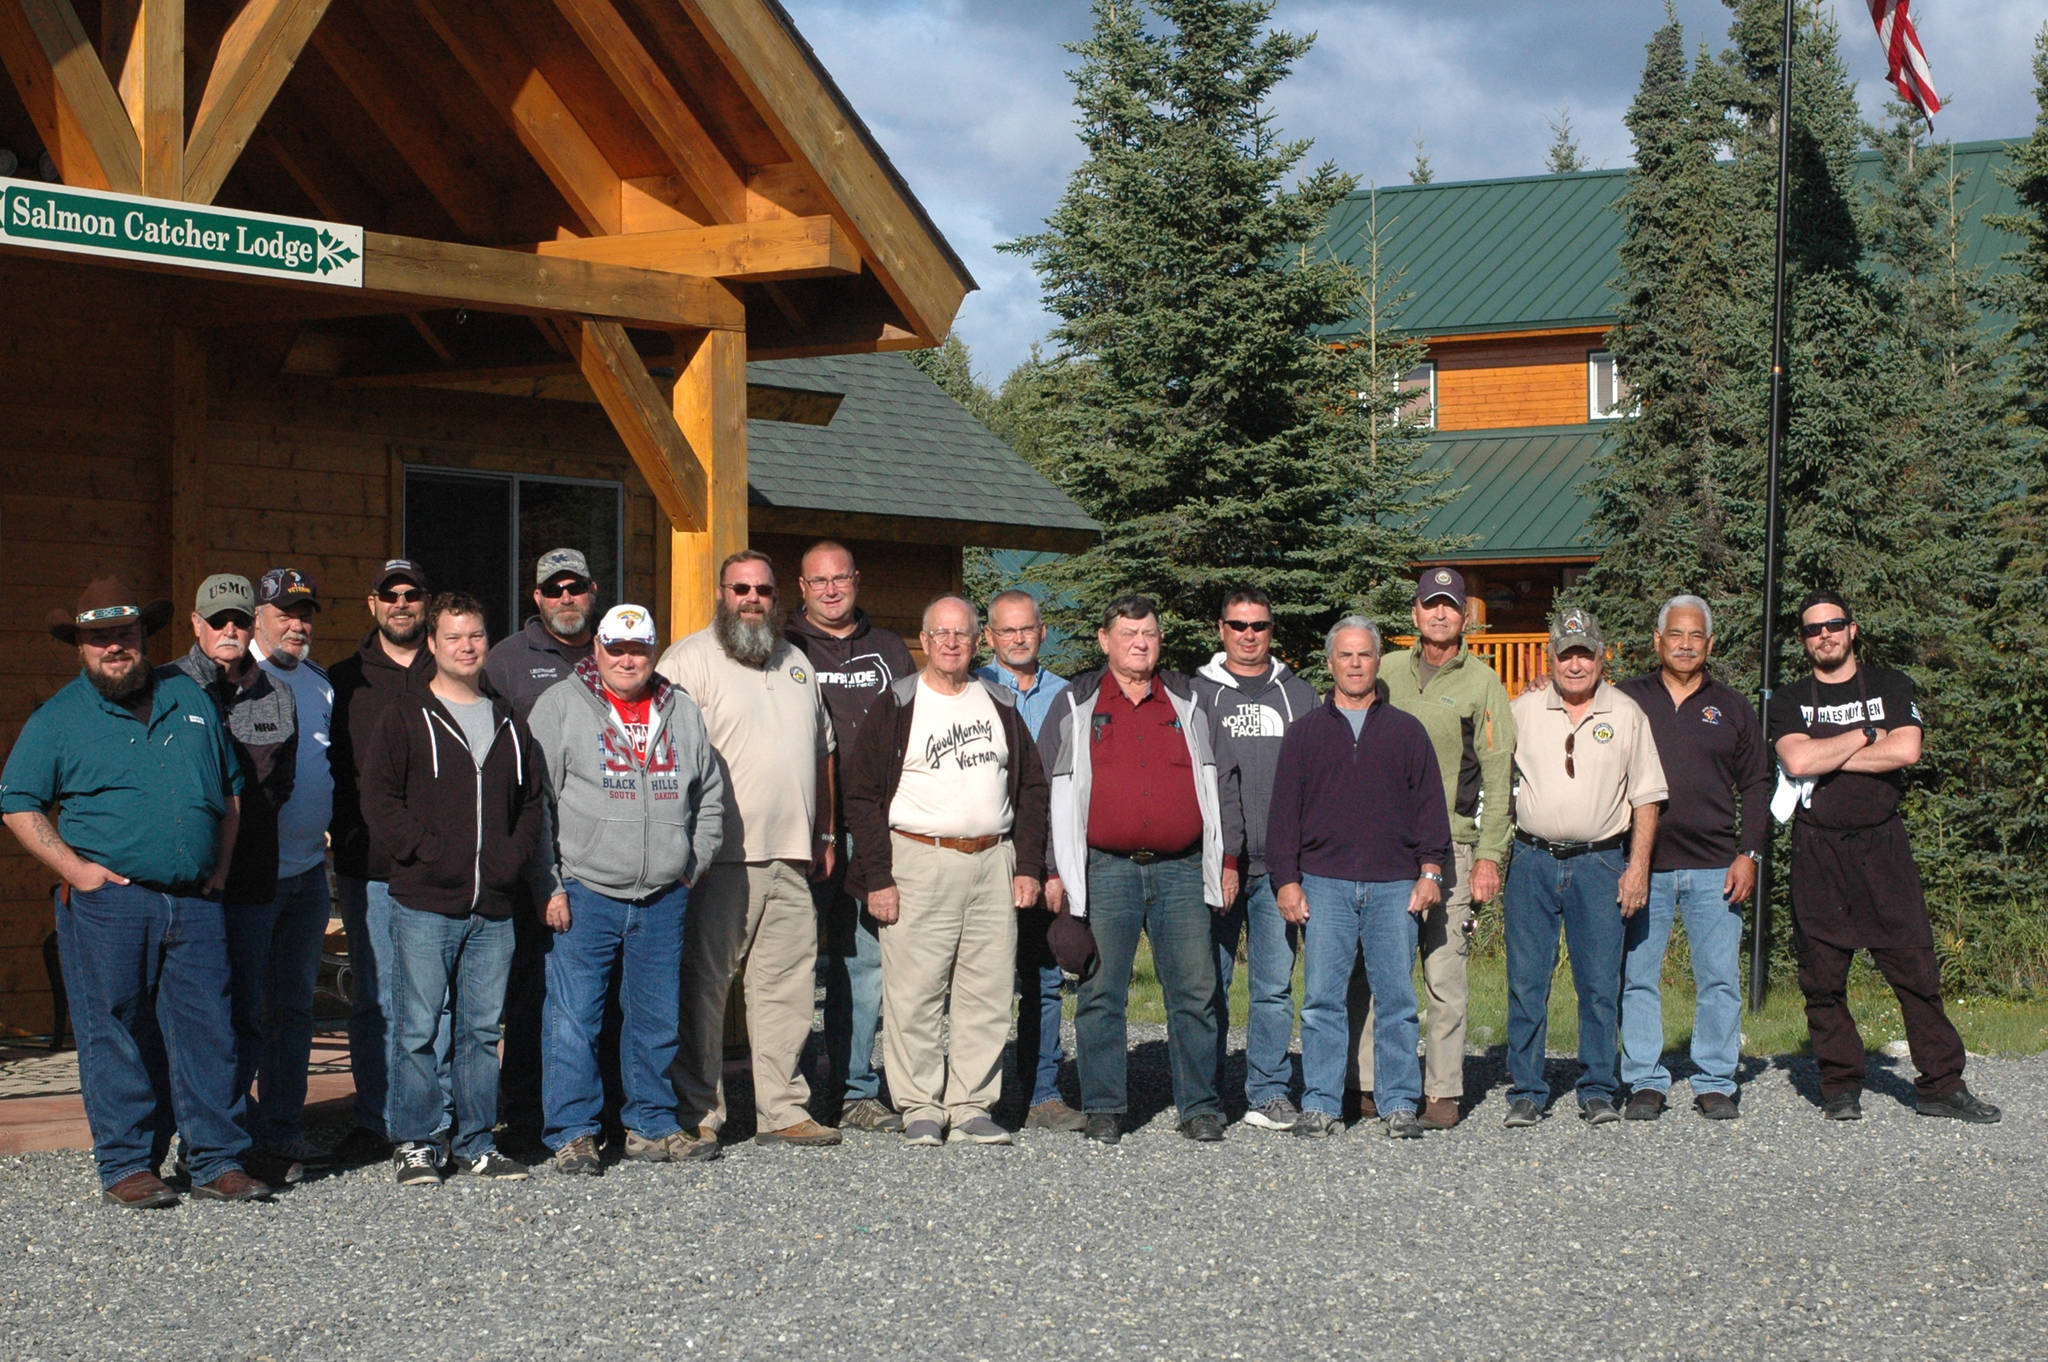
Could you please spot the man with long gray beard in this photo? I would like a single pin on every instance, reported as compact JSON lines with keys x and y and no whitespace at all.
{"x":768,"y":726}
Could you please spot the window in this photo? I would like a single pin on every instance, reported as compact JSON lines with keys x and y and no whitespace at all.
{"x":481,"y":532}
{"x":1419,"y":410}
{"x":1607,"y":394}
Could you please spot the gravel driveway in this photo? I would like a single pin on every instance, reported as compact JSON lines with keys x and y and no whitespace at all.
{"x":1776,"y":1236}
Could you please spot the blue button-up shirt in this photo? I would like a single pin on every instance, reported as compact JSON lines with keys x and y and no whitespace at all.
{"x":144,"y":800}
{"x":1034,"y":704}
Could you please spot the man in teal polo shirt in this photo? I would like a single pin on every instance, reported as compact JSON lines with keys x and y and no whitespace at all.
{"x":151,"y":796}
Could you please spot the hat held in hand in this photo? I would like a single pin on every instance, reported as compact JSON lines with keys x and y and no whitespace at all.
{"x":1073,"y":945}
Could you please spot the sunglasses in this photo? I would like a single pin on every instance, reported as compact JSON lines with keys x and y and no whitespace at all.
{"x":407,"y":596}
{"x":1239,"y":626}
{"x":230,"y":619}
{"x":1819,"y":627}
{"x":1570,"y":741}
{"x":554,"y":591}
{"x":745,"y":589}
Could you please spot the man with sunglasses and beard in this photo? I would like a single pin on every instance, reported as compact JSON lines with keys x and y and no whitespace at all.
{"x":392,"y":663}
{"x":773,"y":739}
{"x":1845,"y":733}
{"x":1586,"y":811}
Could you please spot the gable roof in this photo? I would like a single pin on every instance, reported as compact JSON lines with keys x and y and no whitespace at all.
{"x":898,"y":447}
{"x":1539,"y":252}
{"x":1518,"y":491}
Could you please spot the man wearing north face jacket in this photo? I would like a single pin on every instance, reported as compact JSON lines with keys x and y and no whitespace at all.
{"x":1253,"y":698}
{"x":638,"y":811}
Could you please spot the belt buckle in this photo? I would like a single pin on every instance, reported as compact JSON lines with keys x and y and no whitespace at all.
{"x":1143,"y":857}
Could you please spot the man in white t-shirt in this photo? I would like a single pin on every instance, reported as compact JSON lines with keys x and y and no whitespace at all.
{"x":947,"y":804}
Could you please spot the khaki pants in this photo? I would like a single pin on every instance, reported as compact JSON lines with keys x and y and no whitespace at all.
{"x":1444,"y":949}
{"x":760,"y":911}
{"x":956,"y":930}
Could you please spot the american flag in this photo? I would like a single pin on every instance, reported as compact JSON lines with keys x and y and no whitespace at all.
{"x":1909,"y":73}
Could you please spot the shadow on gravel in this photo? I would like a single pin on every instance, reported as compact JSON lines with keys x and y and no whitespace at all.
{"x":1882,"y":1075}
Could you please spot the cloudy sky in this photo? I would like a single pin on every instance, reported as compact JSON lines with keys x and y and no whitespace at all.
{"x":971,"y":101}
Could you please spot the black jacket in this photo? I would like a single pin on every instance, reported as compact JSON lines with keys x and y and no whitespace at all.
{"x":872,"y":771}
{"x":458,"y":838}
{"x":365,"y":683}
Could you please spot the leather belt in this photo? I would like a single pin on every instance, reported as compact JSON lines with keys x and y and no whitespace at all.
{"x":1564,"y":851}
{"x":969,"y":845}
{"x":1149,"y":857}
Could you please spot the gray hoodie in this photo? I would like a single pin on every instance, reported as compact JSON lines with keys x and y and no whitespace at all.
{"x":1250,"y":719}
{"x":625,"y":829}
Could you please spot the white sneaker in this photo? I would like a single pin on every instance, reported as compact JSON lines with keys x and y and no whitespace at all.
{"x":1278,"y":1114}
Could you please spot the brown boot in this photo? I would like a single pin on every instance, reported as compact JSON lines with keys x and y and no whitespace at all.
{"x":804,"y":1132}
{"x":1439,"y":1113}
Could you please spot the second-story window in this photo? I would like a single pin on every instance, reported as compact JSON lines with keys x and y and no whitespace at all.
{"x":1420,"y":407}
{"x":1607,"y":394}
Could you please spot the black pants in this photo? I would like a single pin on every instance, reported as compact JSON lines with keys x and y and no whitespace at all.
{"x":1915,"y":976}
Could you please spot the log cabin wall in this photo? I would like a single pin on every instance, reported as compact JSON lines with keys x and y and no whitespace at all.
{"x":1507,"y":383}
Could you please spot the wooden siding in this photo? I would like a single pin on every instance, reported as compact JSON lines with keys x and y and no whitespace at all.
{"x":1501,"y":384}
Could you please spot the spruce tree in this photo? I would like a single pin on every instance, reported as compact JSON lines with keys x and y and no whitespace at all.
{"x":1420,"y":173}
{"x":1564,"y":156}
{"x":1201,"y":417}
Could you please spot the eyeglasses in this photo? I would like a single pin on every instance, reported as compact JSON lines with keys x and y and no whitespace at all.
{"x":554,"y":591}
{"x":949,"y":635}
{"x":1819,"y":627}
{"x":843,"y":580}
{"x":1014,"y":634}
{"x":230,"y":619}
{"x":764,"y":590}
{"x":1239,"y":626}
{"x":407,"y":596}
{"x":1570,"y":740}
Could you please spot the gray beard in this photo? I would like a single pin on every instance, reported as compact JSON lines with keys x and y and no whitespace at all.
{"x":747,"y":640}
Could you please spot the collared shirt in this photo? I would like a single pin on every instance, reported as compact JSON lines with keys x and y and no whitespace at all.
{"x":1613,"y":766}
{"x":1033,"y":704}
{"x":144,"y":800}
{"x":302,"y":823}
{"x":1357,"y":796}
{"x":1712,"y":750}
{"x":1142,"y":797}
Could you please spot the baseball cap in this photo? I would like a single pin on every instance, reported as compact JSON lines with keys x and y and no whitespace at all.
{"x":225,"y":591}
{"x":395,"y":568}
{"x":283,"y":587}
{"x":559,"y":562}
{"x":1442,"y":581}
{"x":1073,"y":945}
{"x":627,"y":624}
{"x":1576,"y":628}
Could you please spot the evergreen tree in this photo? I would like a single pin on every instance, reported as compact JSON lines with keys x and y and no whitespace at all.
{"x":1420,"y":173}
{"x":1199,"y":415}
{"x":1564,"y":157}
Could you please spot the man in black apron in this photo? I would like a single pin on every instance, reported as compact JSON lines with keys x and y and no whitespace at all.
{"x":1843,"y":736}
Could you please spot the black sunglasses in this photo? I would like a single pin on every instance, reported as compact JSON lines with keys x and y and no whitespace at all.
{"x":1819,"y":627}
{"x":224,"y":618}
{"x":1570,"y":740}
{"x":1256,"y":626}
{"x":408,"y":596}
{"x":576,"y":586}
{"x":745,"y":589}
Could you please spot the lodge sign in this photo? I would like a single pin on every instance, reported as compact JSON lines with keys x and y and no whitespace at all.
{"x":90,"y":222}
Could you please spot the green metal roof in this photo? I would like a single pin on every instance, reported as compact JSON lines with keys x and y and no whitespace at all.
{"x":898,"y":446}
{"x":1518,"y":490}
{"x":1539,"y":251}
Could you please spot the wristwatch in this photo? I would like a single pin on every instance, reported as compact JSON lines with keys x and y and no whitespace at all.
{"x":1869,"y":735}
{"x":1756,"y":856}
{"x":1434,"y":875}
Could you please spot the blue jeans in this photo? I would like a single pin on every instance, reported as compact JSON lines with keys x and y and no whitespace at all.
{"x":432,"y":958}
{"x":274,"y":962}
{"x":641,"y":945}
{"x":1713,"y":929}
{"x":147,"y":975}
{"x":1164,"y":901}
{"x":366,"y":921}
{"x":1579,"y":892}
{"x":852,"y":957}
{"x":1269,"y":1010}
{"x":1347,"y":918}
{"x":1040,"y":991}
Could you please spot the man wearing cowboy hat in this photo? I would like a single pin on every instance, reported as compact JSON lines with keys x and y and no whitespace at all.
{"x":151,"y":791}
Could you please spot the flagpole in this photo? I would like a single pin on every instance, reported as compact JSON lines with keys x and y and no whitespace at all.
{"x":1760,"y":934}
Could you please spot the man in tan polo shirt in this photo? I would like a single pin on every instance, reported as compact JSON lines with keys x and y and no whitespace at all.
{"x":768,"y":726}
{"x":1586,"y":803}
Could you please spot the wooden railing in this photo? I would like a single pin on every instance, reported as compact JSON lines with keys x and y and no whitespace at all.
{"x":1516,"y":657}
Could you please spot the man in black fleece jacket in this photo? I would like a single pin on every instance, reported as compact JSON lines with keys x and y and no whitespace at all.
{"x":452,"y":795}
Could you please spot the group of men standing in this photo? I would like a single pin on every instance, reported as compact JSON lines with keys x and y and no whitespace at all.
{"x":523,"y":834}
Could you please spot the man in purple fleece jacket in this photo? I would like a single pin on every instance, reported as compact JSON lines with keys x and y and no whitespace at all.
{"x":1356,"y":845}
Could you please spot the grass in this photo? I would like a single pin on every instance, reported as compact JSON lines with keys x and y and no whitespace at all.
{"x":1988,"y":1025}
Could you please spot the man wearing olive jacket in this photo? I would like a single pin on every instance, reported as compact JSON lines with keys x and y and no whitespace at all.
{"x":639,"y":807}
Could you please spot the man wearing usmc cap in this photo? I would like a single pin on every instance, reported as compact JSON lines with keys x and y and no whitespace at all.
{"x":151,"y":793}
{"x":1585,"y":824}
{"x":639,"y":806}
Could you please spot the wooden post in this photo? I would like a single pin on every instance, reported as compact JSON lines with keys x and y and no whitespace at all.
{"x":188,"y":471}
{"x":710,"y":404}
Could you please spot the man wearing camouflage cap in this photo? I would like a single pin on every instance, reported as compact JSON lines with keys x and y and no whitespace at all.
{"x":1585,"y":822}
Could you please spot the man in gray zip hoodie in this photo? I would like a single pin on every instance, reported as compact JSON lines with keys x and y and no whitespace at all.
{"x":1253,"y":699}
{"x":639,"y":807}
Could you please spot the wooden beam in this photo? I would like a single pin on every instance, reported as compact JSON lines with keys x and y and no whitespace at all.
{"x":785,"y":248}
{"x":257,"y":52}
{"x":454,"y":275}
{"x":539,"y":117}
{"x":710,"y":408}
{"x":682,"y":138}
{"x":80,"y":117}
{"x":153,"y":88}
{"x":188,"y":472}
{"x":664,"y":455}
{"x":856,"y":337}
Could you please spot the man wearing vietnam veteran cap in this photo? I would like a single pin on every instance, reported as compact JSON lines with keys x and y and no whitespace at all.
{"x":1585,"y":822}
{"x":262,"y":723}
{"x":639,"y":804}
{"x":1464,"y":708}
{"x":150,"y":791}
